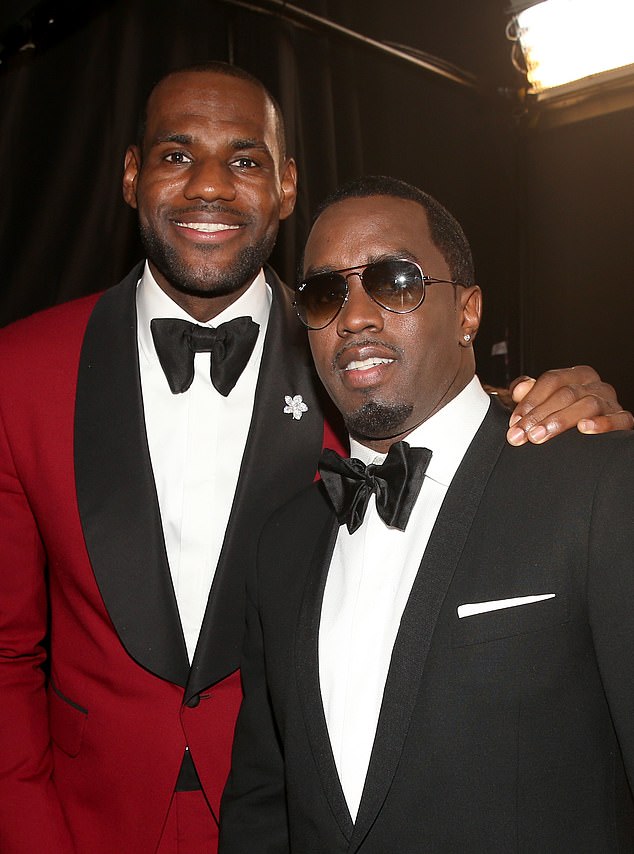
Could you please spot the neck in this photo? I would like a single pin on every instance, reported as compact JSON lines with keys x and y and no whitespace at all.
{"x":382,"y":444}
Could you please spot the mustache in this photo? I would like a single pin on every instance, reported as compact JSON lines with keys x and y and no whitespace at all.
{"x":211,"y":208}
{"x":365,"y":342}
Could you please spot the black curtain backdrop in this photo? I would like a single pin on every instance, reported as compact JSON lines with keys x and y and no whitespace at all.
{"x":68,"y":111}
{"x":578,"y":270}
{"x":68,"y":114}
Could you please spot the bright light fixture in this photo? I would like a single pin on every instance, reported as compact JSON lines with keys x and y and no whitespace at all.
{"x":566,"y":40}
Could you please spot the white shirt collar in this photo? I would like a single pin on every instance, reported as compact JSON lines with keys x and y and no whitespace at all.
{"x":448,"y":433}
{"x":153,"y":302}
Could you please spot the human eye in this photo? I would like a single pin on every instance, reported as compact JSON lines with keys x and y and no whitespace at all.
{"x":389,"y":286}
{"x":244,"y":162}
{"x":398,"y":284}
{"x":325,"y":288}
{"x":177,"y":157}
{"x":326,"y":297}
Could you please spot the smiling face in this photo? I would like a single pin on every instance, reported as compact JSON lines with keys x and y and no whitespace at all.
{"x":210,"y":185}
{"x":386,"y":372}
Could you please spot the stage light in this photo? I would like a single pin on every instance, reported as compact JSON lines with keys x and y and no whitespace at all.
{"x":572,"y":40}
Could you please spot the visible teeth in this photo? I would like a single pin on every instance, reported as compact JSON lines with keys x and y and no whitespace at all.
{"x":208,"y":227}
{"x":367,"y":363}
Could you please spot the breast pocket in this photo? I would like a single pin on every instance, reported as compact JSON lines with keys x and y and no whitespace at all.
{"x":67,"y":721}
{"x":512,"y":621}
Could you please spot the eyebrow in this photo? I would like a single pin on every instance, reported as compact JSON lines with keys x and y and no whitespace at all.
{"x":244,"y":144}
{"x":180,"y":138}
{"x":235,"y":144}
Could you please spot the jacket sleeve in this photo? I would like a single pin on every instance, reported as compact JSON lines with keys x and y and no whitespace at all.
{"x":31,"y":818}
{"x":610,"y":590}
{"x":253,"y":818}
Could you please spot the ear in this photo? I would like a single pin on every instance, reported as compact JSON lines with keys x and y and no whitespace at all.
{"x":289,"y":188}
{"x":471,"y":313}
{"x":131,"y":169}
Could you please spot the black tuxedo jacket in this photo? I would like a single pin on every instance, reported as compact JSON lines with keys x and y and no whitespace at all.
{"x":89,"y":758}
{"x":506,"y":731}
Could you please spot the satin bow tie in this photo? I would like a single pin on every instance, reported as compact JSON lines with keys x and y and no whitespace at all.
{"x":230,"y":345}
{"x":396,"y":484}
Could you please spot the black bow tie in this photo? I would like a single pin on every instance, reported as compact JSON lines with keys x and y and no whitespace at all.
{"x":230,"y":345}
{"x":396,"y":484}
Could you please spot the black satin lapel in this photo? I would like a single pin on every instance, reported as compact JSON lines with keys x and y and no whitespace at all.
{"x":116,"y":494}
{"x":307,"y":675}
{"x":280,"y":458}
{"x":414,"y":637}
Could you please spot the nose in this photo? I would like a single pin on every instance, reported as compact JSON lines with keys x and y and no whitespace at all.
{"x":359,"y":312}
{"x":210,"y":180}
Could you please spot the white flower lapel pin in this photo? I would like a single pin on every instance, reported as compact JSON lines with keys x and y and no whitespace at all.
{"x":295,"y":406}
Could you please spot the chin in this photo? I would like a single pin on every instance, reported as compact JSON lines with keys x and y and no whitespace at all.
{"x":206,"y":287}
{"x":200,"y":279}
{"x":378,"y":420}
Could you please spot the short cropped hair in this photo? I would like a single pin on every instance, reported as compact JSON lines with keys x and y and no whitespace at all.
{"x":446,"y":232}
{"x":225,"y":69}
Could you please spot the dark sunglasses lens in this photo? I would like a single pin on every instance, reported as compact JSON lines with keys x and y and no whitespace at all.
{"x":396,"y":285}
{"x":319,"y":298}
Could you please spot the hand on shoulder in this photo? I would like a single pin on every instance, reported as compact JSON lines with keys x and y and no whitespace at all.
{"x":561,"y":399}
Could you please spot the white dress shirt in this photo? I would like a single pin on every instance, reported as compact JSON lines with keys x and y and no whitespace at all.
{"x":196,"y":441}
{"x":369,"y":582}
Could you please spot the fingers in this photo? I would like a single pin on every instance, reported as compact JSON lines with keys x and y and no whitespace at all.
{"x":529,"y":393}
{"x":622,"y":420}
{"x":520,"y":387}
{"x":542,"y":424}
{"x":563,"y":399}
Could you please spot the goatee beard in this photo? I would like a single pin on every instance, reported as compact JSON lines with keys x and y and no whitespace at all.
{"x":376,"y":420}
{"x":206,"y":280}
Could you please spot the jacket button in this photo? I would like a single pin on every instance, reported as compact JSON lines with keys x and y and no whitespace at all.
{"x":193,"y":701}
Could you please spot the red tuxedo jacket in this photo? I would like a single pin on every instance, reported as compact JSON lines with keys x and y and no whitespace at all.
{"x":98,"y":697}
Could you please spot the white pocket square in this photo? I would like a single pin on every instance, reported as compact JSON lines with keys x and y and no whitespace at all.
{"x":497,"y":604}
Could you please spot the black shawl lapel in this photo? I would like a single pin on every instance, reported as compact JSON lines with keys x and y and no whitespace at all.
{"x":279,"y":459}
{"x":116,"y":494}
{"x":421,"y":612}
{"x":307,"y":669}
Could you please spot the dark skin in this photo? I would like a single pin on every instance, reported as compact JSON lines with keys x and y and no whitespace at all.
{"x":561,"y":399}
{"x":210,"y":184}
{"x":405,"y":367}
{"x":388,"y":227}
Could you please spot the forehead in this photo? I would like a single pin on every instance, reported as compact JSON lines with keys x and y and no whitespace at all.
{"x":359,"y":230}
{"x":205,"y":101}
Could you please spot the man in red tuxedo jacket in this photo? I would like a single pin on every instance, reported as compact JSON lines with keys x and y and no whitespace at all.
{"x":130,"y":504}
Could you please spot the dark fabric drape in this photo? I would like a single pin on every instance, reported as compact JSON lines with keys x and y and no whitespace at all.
{"x":67,"y":116}
{"x":68,"y":112}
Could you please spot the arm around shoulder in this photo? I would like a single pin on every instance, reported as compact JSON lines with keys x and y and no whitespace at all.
{"x":562,"y":399}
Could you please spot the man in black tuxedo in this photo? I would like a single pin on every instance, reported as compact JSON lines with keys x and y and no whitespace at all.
{"x":440,"y":649}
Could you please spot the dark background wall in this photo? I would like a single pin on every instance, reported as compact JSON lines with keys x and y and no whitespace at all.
{"x":547,"y":205}
{"x":578,"y":267}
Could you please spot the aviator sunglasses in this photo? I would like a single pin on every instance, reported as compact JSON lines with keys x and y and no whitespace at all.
{"x":396,"y":285}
